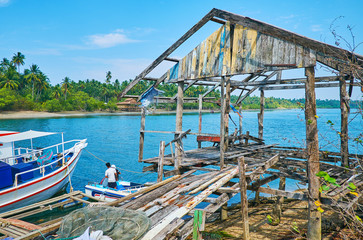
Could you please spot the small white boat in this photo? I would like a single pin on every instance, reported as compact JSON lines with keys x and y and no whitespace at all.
{"x":102,"y":192}
{"x":29,"y":175}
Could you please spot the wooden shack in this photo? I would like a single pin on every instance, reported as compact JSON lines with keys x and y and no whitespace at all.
{"x":129,"y":105}
{"x":248,"y":55}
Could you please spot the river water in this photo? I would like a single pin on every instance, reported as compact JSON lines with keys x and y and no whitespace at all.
{"x":115,"y":138}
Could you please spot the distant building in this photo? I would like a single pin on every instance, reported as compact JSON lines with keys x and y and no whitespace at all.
{"x":129,"y":105}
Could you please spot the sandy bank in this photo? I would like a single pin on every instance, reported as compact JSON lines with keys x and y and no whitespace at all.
{"x":33,"y":114}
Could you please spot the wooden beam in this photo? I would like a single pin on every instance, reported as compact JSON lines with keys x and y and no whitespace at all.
{"x":284,"y":81}
{"x":227,"y":107}
{"x":218,"y":20}
{"x":321,"y":85}
{"x":312,"y":144}
{"x":212,"y":89}
{"x":280,"y":200}
{"x":172,"y":59}
{"x":167,"y":52}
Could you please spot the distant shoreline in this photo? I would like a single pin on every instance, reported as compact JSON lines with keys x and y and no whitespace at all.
{"x":34,"y":114}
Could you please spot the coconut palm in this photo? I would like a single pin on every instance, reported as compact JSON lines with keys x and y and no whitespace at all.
{"x":18,"y":59}
{"x":108,"y":77}
{"x":9,"y":79}
{"x":4,"y":64}
{"x":65,"y":86}
{"x":33,"y":76}
{"x":42,"y":84}
{"x":57,"y":91}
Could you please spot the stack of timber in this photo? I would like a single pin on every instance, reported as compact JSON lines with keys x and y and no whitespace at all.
{"x":11,"y":224}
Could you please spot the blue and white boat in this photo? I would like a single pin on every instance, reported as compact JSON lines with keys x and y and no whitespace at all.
{"x":104,"y":193}
{"x":29,"y":175}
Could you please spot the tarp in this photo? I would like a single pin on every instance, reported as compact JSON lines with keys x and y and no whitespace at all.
{"x":24,"y":136}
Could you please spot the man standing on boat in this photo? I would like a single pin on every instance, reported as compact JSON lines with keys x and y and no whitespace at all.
{"x":110,"y":174}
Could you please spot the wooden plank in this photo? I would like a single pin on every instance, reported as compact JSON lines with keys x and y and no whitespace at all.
{"x":312,"y":144}
{"x":43,"y":230}
{"x":260,"y":170}
{"x":189,"y":206}
{"x":244,"y":201}
{"x":145,"y":190}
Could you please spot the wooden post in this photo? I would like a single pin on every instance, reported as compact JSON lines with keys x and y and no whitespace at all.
{"x":344,"y":106}
{"x":312,"y":144}
{"x":240,"y":124}
{"x":179,"y":123}
{"x":260,"y":115}
{"x":224,"y":212}
{"x":227,"y":107}
{"x":221,"y":143}
{"x":200,"y":117}
{"x":161,"y":161}
{"x":280,"y":200}
{"x":247,"y":135}
{"x":198,"y":224}
{"x":244,"y":202}
{"x":142,"y":134}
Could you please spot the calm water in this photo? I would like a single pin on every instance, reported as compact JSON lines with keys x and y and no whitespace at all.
{"x":115,"y":138}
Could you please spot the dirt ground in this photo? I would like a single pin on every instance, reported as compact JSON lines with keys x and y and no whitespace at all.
{"x":294,"y":216}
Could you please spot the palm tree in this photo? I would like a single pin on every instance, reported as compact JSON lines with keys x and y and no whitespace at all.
{"x":57,"y":92}
{"x":9,"y":79}
{"x":18,"y":59}
{"x":33,"y":76}
{"x":42,"y":84}
{"x":108,"y":77}
{"x":4,"y":64}
{"x":65,"y":86}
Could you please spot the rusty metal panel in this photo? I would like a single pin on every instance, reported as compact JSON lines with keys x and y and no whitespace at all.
{"x":235,"y":49}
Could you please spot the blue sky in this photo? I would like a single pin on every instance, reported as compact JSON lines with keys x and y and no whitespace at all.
{"x":86,"y":38}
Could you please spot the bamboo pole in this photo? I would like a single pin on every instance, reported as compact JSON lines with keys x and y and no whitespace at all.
{"x":142,"y":134}
{"x":312,"y":144}
{"x":161,"y":161}
{"x":244,"y":202}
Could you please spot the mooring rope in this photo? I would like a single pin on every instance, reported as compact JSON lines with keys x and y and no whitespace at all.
{"x":118,"y":167}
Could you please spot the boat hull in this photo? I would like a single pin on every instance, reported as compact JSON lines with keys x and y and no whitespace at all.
{"x":41,"y":188}
{"x":107,"y":194}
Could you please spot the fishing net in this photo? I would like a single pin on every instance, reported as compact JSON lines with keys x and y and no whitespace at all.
{"x":116,"y":223}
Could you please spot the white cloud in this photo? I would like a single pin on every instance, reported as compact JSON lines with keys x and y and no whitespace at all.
{"x":109,"y":40}
{"x":4,"y":3}
{"x":316,"y":28}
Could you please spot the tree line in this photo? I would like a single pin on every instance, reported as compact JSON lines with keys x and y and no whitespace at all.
{"x":31,"y":90}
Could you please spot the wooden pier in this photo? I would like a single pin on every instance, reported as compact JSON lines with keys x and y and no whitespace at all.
{"x":194,"y":184}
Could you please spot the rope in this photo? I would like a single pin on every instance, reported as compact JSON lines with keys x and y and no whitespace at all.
{"x":117,"y":168}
